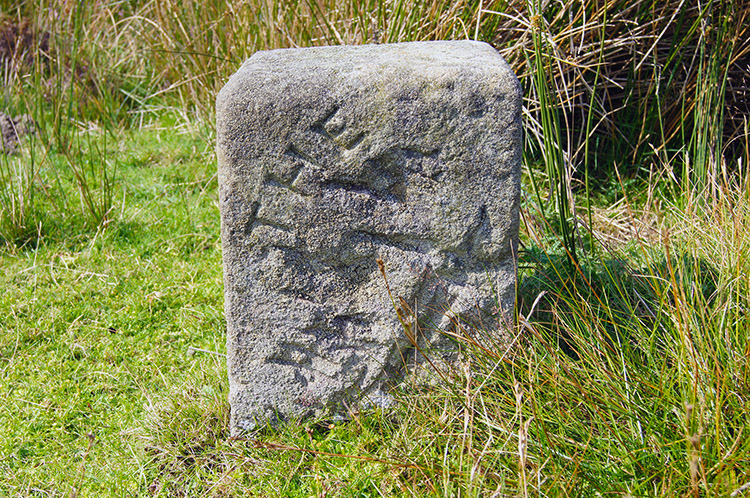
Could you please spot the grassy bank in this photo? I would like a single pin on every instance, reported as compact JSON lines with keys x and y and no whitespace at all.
{"x":627,"y":374}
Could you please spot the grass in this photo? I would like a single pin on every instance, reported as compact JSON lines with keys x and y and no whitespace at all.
{"x":627,"y":374}
{"x":96,"y":324}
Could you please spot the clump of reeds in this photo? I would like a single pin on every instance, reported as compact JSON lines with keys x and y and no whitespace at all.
{"x":627,"y":375}
{"x":76,"y":69}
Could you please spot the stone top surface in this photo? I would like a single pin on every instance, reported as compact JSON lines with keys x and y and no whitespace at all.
{"x":431,"y":57}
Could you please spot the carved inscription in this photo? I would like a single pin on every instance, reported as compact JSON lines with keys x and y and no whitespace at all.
{"x":330,"y":159}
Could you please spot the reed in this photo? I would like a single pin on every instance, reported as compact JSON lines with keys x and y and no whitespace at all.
{"x":622,"y":378}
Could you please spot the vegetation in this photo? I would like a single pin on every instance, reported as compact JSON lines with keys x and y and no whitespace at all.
{"x":626,"y":374}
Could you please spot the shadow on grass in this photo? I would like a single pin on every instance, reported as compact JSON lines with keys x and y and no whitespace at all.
{"x":623,"y":296}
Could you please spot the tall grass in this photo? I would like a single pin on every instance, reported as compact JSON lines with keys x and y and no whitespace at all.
{"x":75,"y":70}
{"x":628,"y":378}
{"x":19,"y":210}
{"x":610,"y":85}
{"x":621,"y":87}
{"x":550,"y":141}
{"x":645,"y":60}
{"x":704,"y":146}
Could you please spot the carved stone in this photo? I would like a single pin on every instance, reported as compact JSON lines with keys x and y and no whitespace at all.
{"x":331,"y":158}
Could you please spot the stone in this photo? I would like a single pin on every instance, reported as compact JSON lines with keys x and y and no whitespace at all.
{"x":333,"y":158}
{"x":12,"y":130}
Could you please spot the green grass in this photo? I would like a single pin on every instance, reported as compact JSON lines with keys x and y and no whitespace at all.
{"x":98,"y":323}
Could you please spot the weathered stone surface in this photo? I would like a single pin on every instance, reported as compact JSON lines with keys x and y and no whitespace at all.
{"x":332,"y":157}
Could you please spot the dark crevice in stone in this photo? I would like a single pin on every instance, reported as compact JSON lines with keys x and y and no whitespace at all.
{"x":270,"y":223}
{"x":353,"y":141}
{"x":319,"y":125}
{"x":357,"y":188}
{"x":295,"y":153}
{"x":274,"y":181}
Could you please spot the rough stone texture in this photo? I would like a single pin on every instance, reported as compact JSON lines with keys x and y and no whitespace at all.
{"x":332,"y":157}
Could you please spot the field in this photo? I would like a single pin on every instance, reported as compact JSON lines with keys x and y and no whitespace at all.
{"x":629,"y":371}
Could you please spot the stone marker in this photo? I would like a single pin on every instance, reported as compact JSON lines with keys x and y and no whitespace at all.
{"x":331,"y":158}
